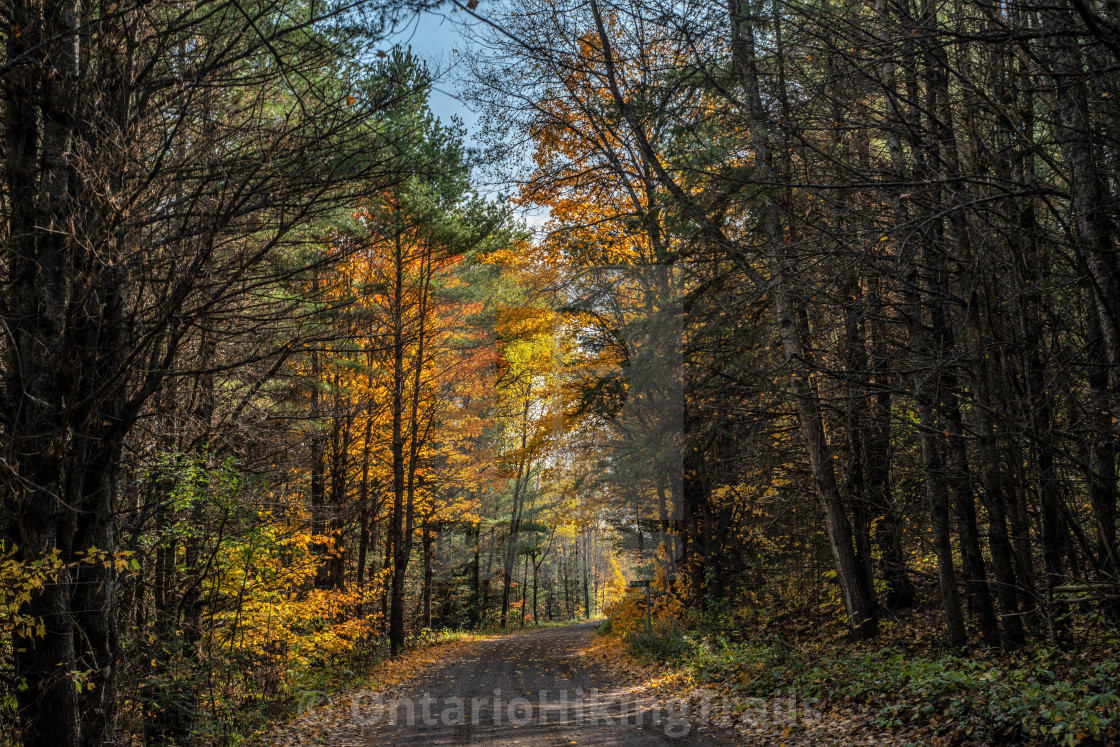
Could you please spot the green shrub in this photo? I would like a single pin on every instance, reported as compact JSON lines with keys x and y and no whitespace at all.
{"x":665,"y":643}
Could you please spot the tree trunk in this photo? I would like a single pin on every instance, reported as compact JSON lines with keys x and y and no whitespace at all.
{"x":1089,"y":194}
{"x":426,"y":542}
{"x":524,"y":590}
{"x":397,"y":449}
{"x":536,"y":573}
{"x":586,"y":587}
{"x":476,"y":585}
{"x":510,"y":553}
{"x":61,"y":458}
{"x":933,"y":465}
{"x":859,"y":604}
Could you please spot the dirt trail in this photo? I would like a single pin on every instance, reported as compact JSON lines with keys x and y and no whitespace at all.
{"x":532,"y":687}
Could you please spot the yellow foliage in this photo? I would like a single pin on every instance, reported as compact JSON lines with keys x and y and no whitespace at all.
{"x":274,"y":621}
{"x":20,"y":580}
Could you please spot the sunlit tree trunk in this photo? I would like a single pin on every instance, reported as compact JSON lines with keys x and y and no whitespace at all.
{"x":516,"y":509}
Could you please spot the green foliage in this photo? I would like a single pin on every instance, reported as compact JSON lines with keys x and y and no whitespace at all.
{"x":665,"y":643}
{"x":1035,"y":697}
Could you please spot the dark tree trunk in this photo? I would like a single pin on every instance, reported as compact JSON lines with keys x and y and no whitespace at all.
{"x":476,"y":608}
{"x":859,"y":604}
{"x":426,"y":539}
{"x":63,"y":327}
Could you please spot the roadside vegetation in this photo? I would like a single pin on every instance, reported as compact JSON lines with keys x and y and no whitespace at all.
{"x":905,"y":686}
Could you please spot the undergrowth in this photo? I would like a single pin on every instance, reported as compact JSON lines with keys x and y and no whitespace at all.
{"x":1038,"y":695}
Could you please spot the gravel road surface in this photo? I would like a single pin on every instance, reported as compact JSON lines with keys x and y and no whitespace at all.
{"x":527,"y":688}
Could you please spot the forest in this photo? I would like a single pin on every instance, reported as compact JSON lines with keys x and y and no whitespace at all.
{"x":806,"y":312}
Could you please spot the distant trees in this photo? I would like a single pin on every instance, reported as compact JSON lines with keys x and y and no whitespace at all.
{"x":427,"y":361}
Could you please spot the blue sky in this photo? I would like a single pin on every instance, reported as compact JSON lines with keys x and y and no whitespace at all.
{"x":434,"y":36}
